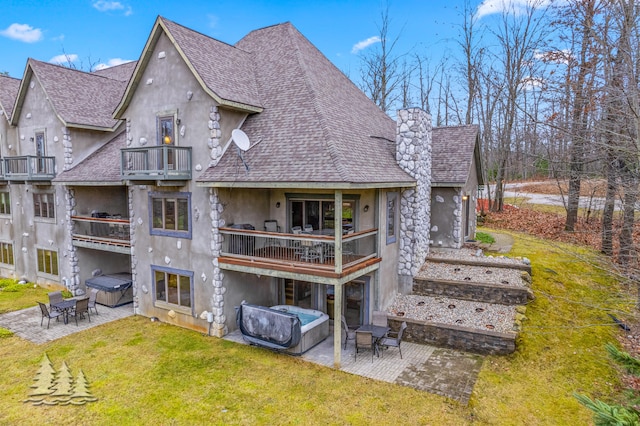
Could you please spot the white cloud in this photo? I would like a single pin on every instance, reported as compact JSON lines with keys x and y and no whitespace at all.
{"x":490,"y":7}
{"x":213,"y":20}
{"x":64,"y":59}
{"x":23,"y":32}
{"x":364,"y":44}
{"x":107,"y":6}
{"x":111,"y":63}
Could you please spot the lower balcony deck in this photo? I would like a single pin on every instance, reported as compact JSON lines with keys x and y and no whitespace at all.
{"x":295,"y":255}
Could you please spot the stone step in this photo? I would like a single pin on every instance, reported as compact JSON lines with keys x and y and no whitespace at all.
{"x":491,"y":262}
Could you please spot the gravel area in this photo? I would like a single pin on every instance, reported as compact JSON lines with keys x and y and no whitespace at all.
{"x":470,"y":254}
{"x":476,"y":315}
{"x":477,"y":274}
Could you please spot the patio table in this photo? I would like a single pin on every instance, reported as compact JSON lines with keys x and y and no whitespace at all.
{"x":65,"y":307}
{"x":377,"y":331}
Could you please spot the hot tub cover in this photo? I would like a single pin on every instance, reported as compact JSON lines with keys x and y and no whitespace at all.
{"x":110,"y":282}
{"x":267,"y":327}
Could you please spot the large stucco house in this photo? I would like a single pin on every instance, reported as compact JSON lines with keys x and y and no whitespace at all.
{"x":215,"y":174}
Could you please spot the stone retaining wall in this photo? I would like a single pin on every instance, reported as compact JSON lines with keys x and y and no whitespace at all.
{"x":478,"y":292}
{"x":450,"y":336}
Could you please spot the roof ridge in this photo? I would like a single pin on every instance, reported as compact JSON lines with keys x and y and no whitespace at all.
{"x":332,"y":149}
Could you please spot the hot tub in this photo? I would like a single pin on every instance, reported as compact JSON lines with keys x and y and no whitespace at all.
{"x":114,"y":289}
{"x":314,"y":327}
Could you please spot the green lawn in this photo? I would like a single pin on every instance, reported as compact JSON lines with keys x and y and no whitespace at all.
{"x":153,"y":373}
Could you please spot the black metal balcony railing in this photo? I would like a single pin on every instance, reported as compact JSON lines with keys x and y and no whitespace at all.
{"x":29,"y":168}
{"x":156,"y":163}
{"x":316,"y":251}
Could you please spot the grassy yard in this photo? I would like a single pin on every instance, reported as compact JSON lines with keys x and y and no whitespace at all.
{"x":153,"y":373}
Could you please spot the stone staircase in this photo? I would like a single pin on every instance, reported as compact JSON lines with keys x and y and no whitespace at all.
{"x":468,"y":302}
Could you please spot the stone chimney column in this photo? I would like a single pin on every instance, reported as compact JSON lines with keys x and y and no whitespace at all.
{"x":413,"y":154}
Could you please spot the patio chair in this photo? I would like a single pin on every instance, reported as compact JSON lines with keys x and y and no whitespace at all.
{"x":92,"y":299}
{"x":272,"y":226}
{"x":82,"y":307}
{"x":54,"y":297}
{"x":364,"y":340}
{"x":308,"y":229}
{"x":348,"y":334}
{"x":394,"y":341}
{"x":46,"y":314}
{"x":379,"y":318}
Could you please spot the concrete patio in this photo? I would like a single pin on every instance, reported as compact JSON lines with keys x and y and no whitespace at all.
{"x":441,"y":371}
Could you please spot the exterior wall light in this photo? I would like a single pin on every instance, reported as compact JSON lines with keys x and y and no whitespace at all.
{"x":278,"y":205}
{"x":366,"y":208}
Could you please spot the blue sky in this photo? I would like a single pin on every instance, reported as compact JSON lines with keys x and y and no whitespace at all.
{"x":108,"y":32}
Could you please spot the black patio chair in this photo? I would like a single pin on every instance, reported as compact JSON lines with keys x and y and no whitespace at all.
{"x":54,"y":297}
{"x":394,"y":341}
{"x":92,"y":299}
{"x":46,"y":314}
{"x":82,"y":307}
{"x":364,"y":340}
{"x":348,"y":334}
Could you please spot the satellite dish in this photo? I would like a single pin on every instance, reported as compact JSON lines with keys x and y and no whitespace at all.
{"x":241,"y":139}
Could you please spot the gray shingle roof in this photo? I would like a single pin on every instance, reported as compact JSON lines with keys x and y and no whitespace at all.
{"x":120,"y":72}
{"x":80,"y":99}
{"x":316,"y":126}
{"x":453,"y":150}
{"x":8,"y":92}
{"x":100,"y":168}
{"x":227,"y":71}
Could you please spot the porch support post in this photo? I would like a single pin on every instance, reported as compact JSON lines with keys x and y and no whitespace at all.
{"x":337,"y":289}
{"x":337,"y":326}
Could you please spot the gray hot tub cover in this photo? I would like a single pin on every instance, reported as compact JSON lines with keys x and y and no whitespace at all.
{"x":267,"y":327}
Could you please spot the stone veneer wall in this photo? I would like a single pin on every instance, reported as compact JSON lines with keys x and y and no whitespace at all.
{"x":214,"y":136}
{"x":132,"y":235}
{"x":72,"y":283}
{"x":457,"y":221}
{"x":484,"y":342}
{"x":413,"y":154}
{"x":218,"y":328}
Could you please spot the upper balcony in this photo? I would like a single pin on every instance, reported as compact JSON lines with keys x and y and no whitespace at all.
{"x":156,"y":163}
{"x":28,"y":168}
{"x":106,"y":233}
{"x":281,"y":254}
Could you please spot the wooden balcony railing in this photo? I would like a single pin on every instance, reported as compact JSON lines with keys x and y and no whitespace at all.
{"x":308,"y":250}
{"x":110,"y":233}
{"x":29,"y":168}
{"x":163,"y":162}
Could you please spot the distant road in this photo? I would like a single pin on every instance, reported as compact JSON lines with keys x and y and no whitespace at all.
{"x":512,"y":190}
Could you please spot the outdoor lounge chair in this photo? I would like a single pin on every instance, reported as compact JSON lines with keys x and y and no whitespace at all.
{"x":364,"y":340}
{"x":46,"y":314}
{"x":394,"y":341}
{"x":92,"y":299}
{"x":54,"y":297}
{"x":272,"y":226}
{"x":82,"y":307}
{"x":348,"y":334}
